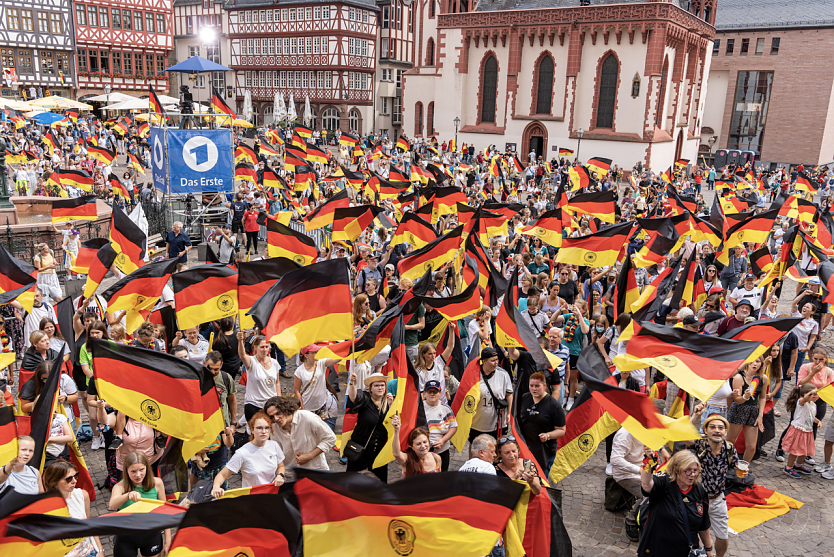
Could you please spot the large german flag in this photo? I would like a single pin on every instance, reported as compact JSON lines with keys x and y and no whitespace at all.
{"x":599,"y":165}
{"x":565,"y":153}
{"x":598,"y":249}
{"x":633,"y":410}
{"x":283,"y":241}
{"x":128,"y":240}
{"x":654,"y":294}
{"x":457,"y":306}
{"x":767,"y":331}
{"x":323,"y":214}
{"x":690,"y":287}
{"x":395,"y":175}
{"x":141,"y":289}
{"x":245,"y":171}
{"x":17,"y":510}
{"x":597,"y":204}
{"x":805,"y":183}
{"x":79,"y":208}
{"x":716,"y":216}
{"x":681,"y":204}
{"x":76,"y":178}
{"x":153,"y":102}
{"x":245,"y":153}
{"x":219,"y":105}
{"x":316,"y":154}
{"x":348,"y":140}
{"x":43,"y":412}
{"x":507,"y":210}
{"x":98,"y":267}
{"x":760,"y":261}
{"x":661,"y":237}
{"x":272,"y":180}
{"x":403,"y":144}
{"x":350,"y":222}
{"x":489,"y":278}
{"x":294,"y":156}
{"x":536,"y":527}
{"x":264,"y":148}
{"x":432,"y":256}
{"x":205,"y":293}
{"x":255,"y":278}
{"x":705,"y":231}
{"x":303,"y":131}
{"x":413,"y":230}
{"x":308,"y":305}
{"x":8,"y":430}
{"x":754,"y":229}
{"x":580,"y":178}
{"x":118,"y":187}
{"x":104,"y":156}
{"x":626,"y":291}
{"x":17,"y":278}
{"x":49,"y":141}
{"x":548,"y":228}
{"x":211,"y":417}
{"x":229,"y":527}
{"x":427,"y":514}
{"x":445,"y":201}
{"x":696,"y":363}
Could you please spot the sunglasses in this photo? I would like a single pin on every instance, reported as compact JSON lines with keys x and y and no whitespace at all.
{"x":505,"y":439}
{"x":70,"y":479}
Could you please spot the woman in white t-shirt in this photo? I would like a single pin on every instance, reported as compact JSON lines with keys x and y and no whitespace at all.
{"x":479,"y":330}
{"x":806,"y":330}
{"x":261,"y":374}
{"x":430,"y":365}
{"x":260,"y":461}
{"x":310,"y":383}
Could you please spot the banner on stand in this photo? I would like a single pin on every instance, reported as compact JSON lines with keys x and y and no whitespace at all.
{"x":159,"y":159}
{"x":200,"y":161}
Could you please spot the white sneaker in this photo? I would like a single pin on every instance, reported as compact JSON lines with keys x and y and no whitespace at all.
{"x":822,"y":468}
{"x":609,"y":471}
{"x":570,"y":405}
{"x":829,"y":475}
{"x":98,"y":442}
{"x":809,"y":461}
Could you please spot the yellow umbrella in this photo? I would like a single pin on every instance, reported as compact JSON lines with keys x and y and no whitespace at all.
{"x":58,"y":102}
{"x":241,"y":123}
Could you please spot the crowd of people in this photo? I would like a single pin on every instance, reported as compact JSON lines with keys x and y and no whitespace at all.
{"x":566,"y":307}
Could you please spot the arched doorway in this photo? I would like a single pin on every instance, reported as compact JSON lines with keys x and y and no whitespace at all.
{"x":679,"y":145}
{"x":533,"y":139}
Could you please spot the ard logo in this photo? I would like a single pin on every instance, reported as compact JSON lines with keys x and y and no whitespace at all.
{"x":151,"y":410}
{"x":401,"y":536}
{"x":469,"y":404}
{"x":586,"y":442}
{"x":589,"y":257}
{"x":225,"y":303}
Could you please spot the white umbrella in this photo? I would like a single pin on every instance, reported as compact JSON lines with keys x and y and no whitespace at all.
{"x":165,"y":99}
{"x":308,"y":114}
{"x":113,"y":97}
{"x":280,"y":111}
{"x":291,"y":113}
{"x":247,"y":105}
{"x":131,"y":104}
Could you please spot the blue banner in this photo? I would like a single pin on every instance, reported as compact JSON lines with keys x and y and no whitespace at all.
{"x":200,"y":161}
{"x":159,"y":160}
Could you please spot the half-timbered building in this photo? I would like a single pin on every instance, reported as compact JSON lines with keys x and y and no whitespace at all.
{"x":629,"y":74}
{"x":36,"y":47}
{"x":318,"y":49}
{"x":396,"y":51}
{"x":124,"y":44}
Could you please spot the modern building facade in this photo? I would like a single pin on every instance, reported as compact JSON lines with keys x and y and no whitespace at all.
{"x":396,"y":51}
{"x":771,"y":88}
{"x":322,"y":50}
{"x":530,"y":74}
{"x":37,"y":41}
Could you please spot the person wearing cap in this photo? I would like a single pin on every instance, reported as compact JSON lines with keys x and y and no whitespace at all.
{"x":495,"y":385}
{"x":749,"y":291}
{"x":430,"y":364}
{"x":735,"y":269}
{"x":369,"y":434}
{"x":440,"y":422}
{"x":743,"y":310}
{"x":371,"y":270}
{"x":811,"y":293}
{"x":717,"y":457}
{"x":691,"y":323}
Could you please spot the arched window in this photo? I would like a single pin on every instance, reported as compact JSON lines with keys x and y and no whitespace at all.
{"x":418,"y":119}
{"x":330,"y":119}
{"x":544,"y":91}
{"x":661,"y":100}
{"x":430,"y":119}
{"x":490,"y":87}
{"x":607,"y":92}
{"x":353,"y":121}
{"x":267,"y":115}
{"x":431,"y":7}
{"x":430,"y":52}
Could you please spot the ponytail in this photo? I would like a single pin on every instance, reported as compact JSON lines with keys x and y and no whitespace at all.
{"x":796,"y":393}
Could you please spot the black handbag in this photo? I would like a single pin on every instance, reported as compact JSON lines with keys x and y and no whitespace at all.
{"x":353,"y":450}
{"x":500,"y":404}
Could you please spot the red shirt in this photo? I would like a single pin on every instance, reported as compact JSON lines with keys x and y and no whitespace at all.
{"x":250,"y":221}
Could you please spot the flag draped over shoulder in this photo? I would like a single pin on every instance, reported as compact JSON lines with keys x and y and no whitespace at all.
{"x":308,"y":305}
{"x":204,"y":293}
{"x":410,"y":517}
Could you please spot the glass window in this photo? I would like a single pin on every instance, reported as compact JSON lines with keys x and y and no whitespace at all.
{"x":269,"y":16}
{"x":219,"y":80}
{"x":320,"y":80}
{"x":148,"y":22}
{"x":490,"y":87}
{"x":293,"y":47}
{"x":257,"y":46}
{"x":103,"y":16}
{"x":759,"y":47}
{"x":80,"y":14}
{"x":383,"y":106}
{"x":117,"y":19}
{"x":104,"y":61}
{"x":399,"y":78}
{"x":94,"y":68}
{"x":353,"y":120}
{"x":330,"y":119}
{"x":127,"y":20}
{"x":544,"y":89}
{"x":7,"y":57}
{"x":262,"y":17}
{"x":751,"y":102}
{"x":304,"y":83}
{"x":292,"y":14}
{"x":193,"y":51}
{"x":43,"y":22}
{"x":283,"y":77}
{"x":160,"y":65}
{"x":328,"y":80}
{"x":351,"y":46}
{"x":386,"y":16}
{"x":13,"y":18}
{"x":308,"y":13}
{"x":137,"y":61}
{"x":92,"y":16}
{"x":316,"y":12}
{"x":137,"y":21}
{"x":298,"y":79}
{"x":63,"y":62}
{"x":325,"y":47}
{"x":128,"y":63}
{"x":284,"y":15}
{"x":278,"y":46}
{"x":309,"y":45}
{"x":716,"y":47}
{"x":117,"y":62}
{"x":731,"y":43}
{"x":316,"y":45}
{"x":261,"y":79}
{"x":149,"y":66}
{"x":82,"y":60}
{"x":286,"y":46}
{"x":26,"y":21}
{"x":249,"y":79}
{"x":272,"y":46}
{"x":431,"y":8}
{"x":56,"y":24}
{"x":745,"y":46}
{"x":248,"y":17}
{"x":352,"y":14}
{"x":325,"y":12}
{"x":774,"y":45}
{"x":47,"y":62}
{"x":364,"y":16}
{"x":24,"y":61}
{"x":160,"y":23}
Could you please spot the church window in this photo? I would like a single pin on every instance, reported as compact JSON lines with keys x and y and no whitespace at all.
{"x":607,"y":92}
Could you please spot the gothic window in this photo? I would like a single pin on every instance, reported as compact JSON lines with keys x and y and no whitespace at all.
{"x":430,"y":52}
{"x":418,"y":119}
{"x":490,"y":87}
{"x":607,"y":92}
{"x":661,"y":101}
{"x":544,"y":89}
{"x":353,"y":121}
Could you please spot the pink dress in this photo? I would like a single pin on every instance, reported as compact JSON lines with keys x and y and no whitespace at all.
{"x":799,"y":440}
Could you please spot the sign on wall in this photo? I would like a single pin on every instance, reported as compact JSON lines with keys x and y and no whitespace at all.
{"x":200,"y":161}
{"x":159,"y":162}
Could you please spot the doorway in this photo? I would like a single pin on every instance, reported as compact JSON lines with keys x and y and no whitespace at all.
{"x":537,"y":145}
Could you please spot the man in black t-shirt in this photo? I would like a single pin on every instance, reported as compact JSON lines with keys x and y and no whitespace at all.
{"x":237,"y":208}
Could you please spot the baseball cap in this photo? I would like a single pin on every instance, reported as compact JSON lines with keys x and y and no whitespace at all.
{"x":690,"y":320}
{"x":717,"y":289}
{"x":432,"y":385}
{"x":488,"y":353}
{"x":749,"y":276}
{"x":310,"y":348}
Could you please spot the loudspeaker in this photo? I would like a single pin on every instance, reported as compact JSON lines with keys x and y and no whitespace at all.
{"x":721,"y":158}
{"x":748,"y":156}
{"x":734,"y":157}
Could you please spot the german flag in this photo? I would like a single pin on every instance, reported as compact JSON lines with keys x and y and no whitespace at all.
{"x":489,"y":278}
{"x":755,"y":229}
{"x":8,"y":430}
{"x":768,"y":331}
{"x":633,"y":410}
{"x":272,"y":180}
{"x":316,"y":154}
{"x":565,"y":153}
{"x":653,"y":295}
{"x":350,"y":222}
{"x":690,"y":287}
{"x":760,"y":261}
{"x":267,"y":149}
{"x":403,"y":144}
{"x":696,"y":363}
{"x":411,"y":515}
{"x":507,"y":210}
{"x":387,"y":189}
{"x":580,"y":178}
{"x":303,"y":177}
{"x":141,"y":289}
{"x":599,"y":249}
{"x":219,"y":105}
{"x":459,"y":306}
{"x":413,"y":230}
{"x":245,"y":172}
{"x":121,"y":127}
{"x":667,"y":177}
{"x":254,"y":278}
{"x":137,"y":165}
{"x":704,"y":231}
{"x":308,"y":305}
{"x":76,"y":178}
{"x":118,"y":187}
{"x":205,"y":293}
{"x":245,"y":153}
{"x":599,"y":165}
{"x":517,"y":164}
{"x":17,"y":280}
{"x":355,"y":179}
{"x":49,"y":141}
{"x":41,"y":417}
{"x":303,"y":131}
{"x":323,"y":214}
{"x":298,"y":141}
{"x":18,"y":510}
{"x":283,"y":241}
{"x":228,"y":527}
{"x":79,"y":208}
{"x":805,"y":183}
{"x":104,"y":156}
{"x":153,"y":102}
{"x":661,"y":237}
{"x":445,"y":201}
{"x":348,"y":140}
{"x":128,"y":240}
{"x":419,"y":174}
{"x":293,"y":157}
{"x":597,"y":204}
{"x":432,"y":255}
{"x":681,"y":163}
{"x":99,"y":265}
{"x":626,"y":291}
{"x":680,"y":204}
{"x":734,"y":204}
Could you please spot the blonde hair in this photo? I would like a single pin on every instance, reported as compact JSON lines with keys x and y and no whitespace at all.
{"x":679,"y":462}
{"x":37,"y":336}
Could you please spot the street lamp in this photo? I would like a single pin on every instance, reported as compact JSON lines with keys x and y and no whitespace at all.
{"x":711,"y":142}
{"x":579,"y":133}
{"x":457,"y":123}
{"x":107,"y":90}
